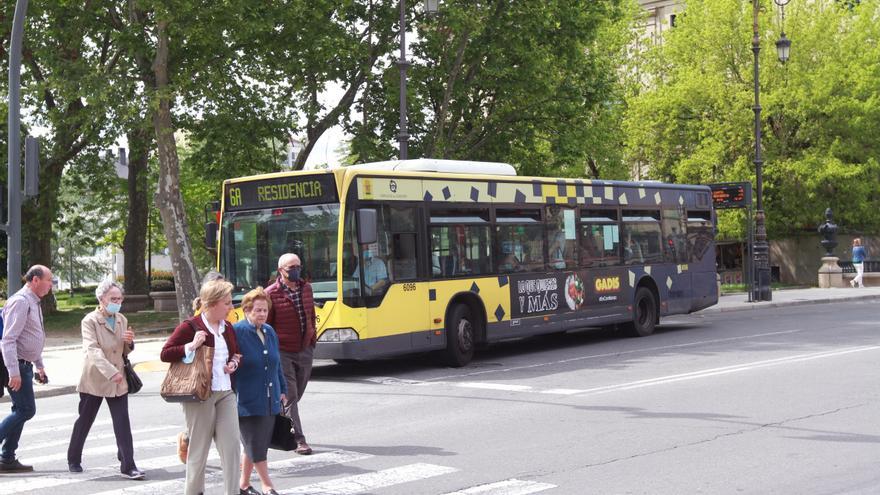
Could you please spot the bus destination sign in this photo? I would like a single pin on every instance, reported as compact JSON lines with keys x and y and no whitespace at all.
{"x":281,"y":191}
{"x":731,"y":195}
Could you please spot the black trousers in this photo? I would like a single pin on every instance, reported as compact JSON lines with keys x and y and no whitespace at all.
{"x":88,"y":409}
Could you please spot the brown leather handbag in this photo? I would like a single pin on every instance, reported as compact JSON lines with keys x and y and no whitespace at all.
{"x":189,"y":382}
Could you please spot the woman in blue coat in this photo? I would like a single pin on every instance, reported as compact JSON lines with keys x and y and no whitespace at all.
{"x":261,"y":388}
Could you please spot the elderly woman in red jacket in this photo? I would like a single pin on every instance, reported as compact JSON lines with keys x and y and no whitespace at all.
{"x":216,"y":418}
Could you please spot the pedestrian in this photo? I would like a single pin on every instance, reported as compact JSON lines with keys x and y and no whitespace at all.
{"x":858,"y":259}
{"x":260,"y":387}
{"x":22,"y":348}
{"x":106,"y":339}
{"x":292,"y":315}
{"x":217,"y":417}
{"x":183,"y":436}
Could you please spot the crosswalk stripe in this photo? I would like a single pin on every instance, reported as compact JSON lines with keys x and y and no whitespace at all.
{"x":512,"y":486}
{"x":362,"y":483}
{"x":286,"y":466}
{"x":50,"y":417}
{"x":108,"y":449}
{"x":98,"y":436}
{"x":27,"y":432}
{"x":495,"y":386}
{"x":30,"y":483}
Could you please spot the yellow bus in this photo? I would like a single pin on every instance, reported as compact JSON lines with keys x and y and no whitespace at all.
{"x":436,"y":255}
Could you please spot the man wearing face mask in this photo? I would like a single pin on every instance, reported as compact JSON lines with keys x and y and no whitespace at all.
{"x":292,"y":315}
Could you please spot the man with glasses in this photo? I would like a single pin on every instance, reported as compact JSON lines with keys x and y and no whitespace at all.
{"x":22,"y":347}
{"x":292,"y":315}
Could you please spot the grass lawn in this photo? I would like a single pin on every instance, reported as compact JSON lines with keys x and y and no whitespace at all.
{"x":71,"y":310}
{"x":737,"y":288}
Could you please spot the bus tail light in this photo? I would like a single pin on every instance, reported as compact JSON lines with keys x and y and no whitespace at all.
{"x":338,"y":335}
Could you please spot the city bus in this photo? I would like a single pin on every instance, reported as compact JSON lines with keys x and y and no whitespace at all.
{"x":435,"y":255}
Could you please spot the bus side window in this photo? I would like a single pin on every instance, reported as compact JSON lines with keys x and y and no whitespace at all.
{"x":675,"y":236}
{"x":700,"y":233}
{"x":600,"y":238}
{"x":561,"y":237}
{"x":520,"y":238}
{"x":641,"y":237}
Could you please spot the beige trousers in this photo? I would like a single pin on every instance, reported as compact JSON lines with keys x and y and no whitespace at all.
{"x":214,"y":419}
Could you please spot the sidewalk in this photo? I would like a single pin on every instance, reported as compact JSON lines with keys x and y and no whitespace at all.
{"x":63,"y":362}
{"x":793,"y":297}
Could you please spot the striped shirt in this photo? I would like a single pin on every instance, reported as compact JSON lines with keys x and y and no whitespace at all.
{"x":23,"y":335}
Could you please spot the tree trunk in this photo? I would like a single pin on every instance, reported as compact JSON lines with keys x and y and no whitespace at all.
{"x":38,"y":216}
{"x":169,"y":200}
{"x":135,"y":242}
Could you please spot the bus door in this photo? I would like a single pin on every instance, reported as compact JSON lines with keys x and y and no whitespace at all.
{"x":397,"y":304}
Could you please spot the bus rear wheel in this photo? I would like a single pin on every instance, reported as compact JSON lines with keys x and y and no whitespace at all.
{"x":460,"y":337}
{"x":644,"y":313}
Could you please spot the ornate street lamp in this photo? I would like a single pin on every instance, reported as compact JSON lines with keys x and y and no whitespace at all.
{"x":431,"y":7}
{"x":761,"y":290}
{"x":783,"y":44}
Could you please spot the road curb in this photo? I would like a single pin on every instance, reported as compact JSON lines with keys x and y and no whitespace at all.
{"x":136,"y":341}
{"x":42,"y":392}
{"x":782,"y":304}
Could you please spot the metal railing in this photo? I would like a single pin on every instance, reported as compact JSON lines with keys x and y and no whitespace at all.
{"x":870,"y":266}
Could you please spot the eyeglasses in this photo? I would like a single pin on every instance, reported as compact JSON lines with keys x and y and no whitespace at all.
{"x":116,"y":299}
{"x":291,"y":266}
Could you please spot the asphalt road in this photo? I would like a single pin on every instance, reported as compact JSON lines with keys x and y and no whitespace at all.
{"x":767,"y":401}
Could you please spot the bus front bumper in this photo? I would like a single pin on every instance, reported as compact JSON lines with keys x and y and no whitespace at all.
{"x":376,"y":347}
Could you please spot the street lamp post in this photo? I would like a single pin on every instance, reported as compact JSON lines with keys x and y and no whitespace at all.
{"x":13,"y":226}
{"x":431,"y":7}
{"x":761,"y":291}
{"x":69,"y":252}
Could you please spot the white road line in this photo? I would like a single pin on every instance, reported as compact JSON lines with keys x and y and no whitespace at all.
{"x":495,"y":386}
{"x":49,"y":417}
{"x":286,"y":466}
{"x":27,"y":432}
{"x":611,"y":354}
{"x":92,"y":436}
{"x":512,"y":486}
{"x":562,"y":391}
{"x":362,"y":483}
{"x":662,"y":380}
{"x":31,"y":482}
{"x":108,"y":449}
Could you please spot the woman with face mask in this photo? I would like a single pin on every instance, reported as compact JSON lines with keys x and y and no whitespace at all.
{"x":106,"y":339}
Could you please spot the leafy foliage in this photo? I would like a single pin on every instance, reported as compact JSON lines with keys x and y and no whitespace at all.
{"x":532,"y":83}
{"x":692,"y":121}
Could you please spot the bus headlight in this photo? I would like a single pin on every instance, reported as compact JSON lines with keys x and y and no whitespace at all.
{"x":338,"y":335}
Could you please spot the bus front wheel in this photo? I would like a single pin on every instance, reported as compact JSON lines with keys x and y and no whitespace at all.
{"x":644,"y":313}
{"x":460,"y":337}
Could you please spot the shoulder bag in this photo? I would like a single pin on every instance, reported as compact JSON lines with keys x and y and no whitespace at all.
{"x":134,"y":382}
{"x":189,"y":382}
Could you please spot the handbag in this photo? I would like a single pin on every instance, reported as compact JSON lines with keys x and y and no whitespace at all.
{"x":282,"y":436}
{"x":189,"y":382}
{"x":134,"y":382}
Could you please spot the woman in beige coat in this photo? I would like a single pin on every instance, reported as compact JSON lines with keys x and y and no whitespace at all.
{"x":106,"y":339}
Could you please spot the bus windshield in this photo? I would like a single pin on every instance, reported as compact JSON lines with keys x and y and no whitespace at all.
{"x":252,"y":242}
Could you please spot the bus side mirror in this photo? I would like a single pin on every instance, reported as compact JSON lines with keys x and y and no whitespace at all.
{"x":211,"y":236}
{"x":366,"y":226}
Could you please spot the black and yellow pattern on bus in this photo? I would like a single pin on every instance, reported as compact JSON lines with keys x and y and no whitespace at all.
{"x":532,"y":191}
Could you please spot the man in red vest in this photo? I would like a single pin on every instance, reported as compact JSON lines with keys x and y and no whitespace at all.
{"x":292,"y":315}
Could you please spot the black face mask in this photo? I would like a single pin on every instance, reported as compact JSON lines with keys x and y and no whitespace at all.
{"x":293,"y":274}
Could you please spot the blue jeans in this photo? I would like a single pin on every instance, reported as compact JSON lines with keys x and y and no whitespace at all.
{"x":23,"y":408}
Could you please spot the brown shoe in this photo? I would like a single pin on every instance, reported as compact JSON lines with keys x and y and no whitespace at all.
{"x":182,"y":446}
{"x":302,"y":448}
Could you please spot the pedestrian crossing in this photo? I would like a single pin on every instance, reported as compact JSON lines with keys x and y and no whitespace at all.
{"x":330,"y":472}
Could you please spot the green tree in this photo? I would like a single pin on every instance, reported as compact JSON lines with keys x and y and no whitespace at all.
{"x":693,"y":121}
{"x":532,"y":83}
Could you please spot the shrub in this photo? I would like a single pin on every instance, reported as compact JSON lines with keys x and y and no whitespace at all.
{"x":161,"y":285}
